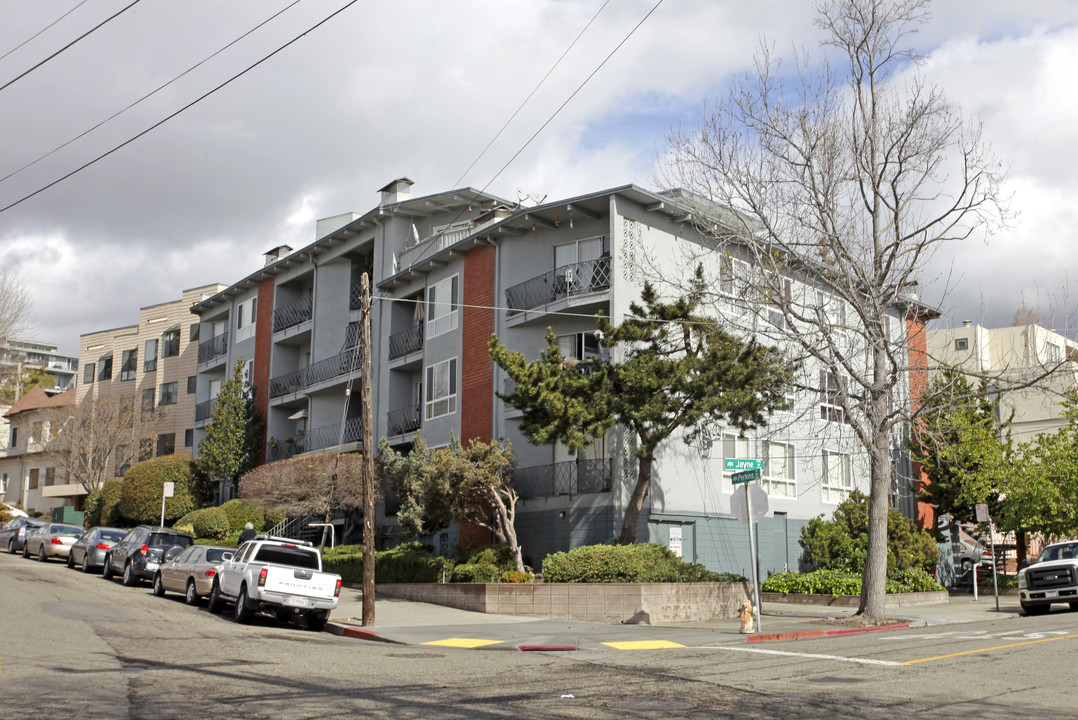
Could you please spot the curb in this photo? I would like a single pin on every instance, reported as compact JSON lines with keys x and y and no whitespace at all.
{"x":814,"y":634}
{"x":359,"y":634}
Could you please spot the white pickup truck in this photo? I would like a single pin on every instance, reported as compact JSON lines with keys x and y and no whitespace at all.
{"x":279,"y":575}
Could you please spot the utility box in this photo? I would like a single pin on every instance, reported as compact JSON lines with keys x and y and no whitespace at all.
{"x":69,"y":515}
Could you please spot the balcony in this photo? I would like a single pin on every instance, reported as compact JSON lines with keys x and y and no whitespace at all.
{"x":440,"y":240}
{"x":293,"y":314}
{"x":204,"y":410}
{"x":346,"y":363}
{"x":213,"y":348}
{"x":564,"y":282}
{"x":407,"y":342}
{"x":317,"y":439}
{"x":565,"y":478}
{"x":404,"y":420}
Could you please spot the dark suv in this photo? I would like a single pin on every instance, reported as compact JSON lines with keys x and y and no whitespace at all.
{"x":141,"y":551}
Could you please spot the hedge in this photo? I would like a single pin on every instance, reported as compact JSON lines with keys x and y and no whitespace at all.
{"x":211,"y":523}
{"x":142,"y":487}
{"x":103,"y":506}
{"x":647,"y":563}
{"x":240,"y":512}
{"x":837,"y":582}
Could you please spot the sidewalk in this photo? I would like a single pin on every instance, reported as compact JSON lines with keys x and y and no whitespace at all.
{"x":415,"y":623}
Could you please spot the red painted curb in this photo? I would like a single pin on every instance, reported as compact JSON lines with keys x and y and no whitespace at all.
{"x":361,"y":634}
{"x":544,"y":648}
{"x":811,"y":634}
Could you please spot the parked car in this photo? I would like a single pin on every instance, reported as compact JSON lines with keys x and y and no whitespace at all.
{"x":968,"y":554}
{"x":190,"y":571}
{"x":138,"y":555}
{"x":51,"y":540}
{"x":89,"y":550}
{"x":13,"y":534}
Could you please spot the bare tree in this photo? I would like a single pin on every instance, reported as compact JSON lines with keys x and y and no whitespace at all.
{"x":848,"y":181}
{"x":97,"y":439}
{"x":15,"y":307}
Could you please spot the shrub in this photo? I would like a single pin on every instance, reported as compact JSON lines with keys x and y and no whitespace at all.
{"x":626,"y":563}
{"x":410,"y":562}
{"x":273,"y":519}
{"x":186,"y":527}
{"x":102,"y":506}
{"x":342,"y":550}
{"x":475,"y":572}
{"x":187,"y":519}
{"x":211,"y":523}
{"x":512,"y":576}
{"x":240,"y":512}
{"x":141,"y":489}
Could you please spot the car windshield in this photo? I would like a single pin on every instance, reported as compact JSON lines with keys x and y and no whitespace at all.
{"x":1066,"y":551}
{"x":216,"y":555}
{"x":168,"y":540}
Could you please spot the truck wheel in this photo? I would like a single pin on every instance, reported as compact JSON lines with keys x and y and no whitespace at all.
{"x":1039,"y":609}
{"x":106,"y":569}
{"x":129,"y":579}
{"x":1073,"y":605}
{"x":317,"y":622}
{"x":191,"y":598}
{"x":215,"y":602}
{"x":158,"y":587}
{"x":244,"y":611}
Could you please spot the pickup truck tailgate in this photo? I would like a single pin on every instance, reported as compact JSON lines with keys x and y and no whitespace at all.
{"x":299,"y":581}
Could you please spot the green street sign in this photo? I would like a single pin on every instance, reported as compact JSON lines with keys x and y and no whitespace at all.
{"x":745,"y":477}
{"x":742,"y":464}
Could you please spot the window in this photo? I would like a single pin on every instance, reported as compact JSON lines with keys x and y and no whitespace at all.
{"x":579,"y":266}
{"x":441,"y":389}
{"x":245,"y":319}
{"x":733,"y":446}
{"x":779,"y":469}
{"x":193,"y":337}
{"x":104,"y":367}
{"x":779,"y":291}
{"x":123,"y":461}
{"x":50,"y":477}
{"x":35,"y":476}
{"x":168,"y":394}
{"x":14,"y":437}
{"x":170,"y":342}
{"x":248,"y":374}
{"x":837,"y":480}
{"x":832,"y":390}
{"x":442,"y":307}
{"x":3,"y":483}
{"x":215,"y":388}
{"x":961,"y":344}
{"x":192,"y":384}
{"x":581,"y":346}
{"x":145,"y":449}
{"x":150,"y":362}
{"x":147,"y":405}
{"x":1055,"y":352}
{"x":166,"y":444}
{"x":129,"y":365}
{"x":88,"y":374}
{"x":832,"y":310}
{"x":733,"y":274}
{"x":188,"y":437}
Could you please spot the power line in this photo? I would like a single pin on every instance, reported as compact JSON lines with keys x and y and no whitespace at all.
{"x":42,"y":30}
{"x":149,"y":94}
{"x":185,"y":107}
{"x":65,"y":47}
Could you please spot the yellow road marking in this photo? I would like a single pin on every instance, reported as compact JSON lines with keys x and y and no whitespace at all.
{"x":643,"y":645}
{"x":997,"y":647}
{"x":463,"y":642}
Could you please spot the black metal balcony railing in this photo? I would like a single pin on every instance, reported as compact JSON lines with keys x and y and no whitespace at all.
{"x":293,"y":314}
{"x":204,"y":410}
{"x":406,"y":342}
{"x":564,"y":478}
{"x":212,"y":348}
{"x":355,"y":297}
{"x":317,"y":439}
{"x":575,"y":279}
{"x":298,"y":380}
{"x":405,"y":420}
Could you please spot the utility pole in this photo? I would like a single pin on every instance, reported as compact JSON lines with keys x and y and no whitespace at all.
{"x":368,"y":454}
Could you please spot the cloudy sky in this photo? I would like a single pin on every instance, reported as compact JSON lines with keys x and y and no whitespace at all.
{"x":418,"y":89}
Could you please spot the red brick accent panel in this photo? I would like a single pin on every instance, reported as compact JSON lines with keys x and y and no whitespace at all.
{"x":477,"y":369}
{"x":263,"y":343}
{"x":916,"y":338}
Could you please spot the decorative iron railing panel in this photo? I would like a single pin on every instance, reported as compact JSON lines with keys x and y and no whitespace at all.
{"x":406,"y":342}
{"x":565,"y":478}
{"x":297,"y":380}
{"x":317,"y":439}
{"x":355,"y":297}
{"x":212,"y":348}
{"x":204,"y":410}
{"x":405,"y":420}
{"x":562,"y":282}
{"x":293,"y":314}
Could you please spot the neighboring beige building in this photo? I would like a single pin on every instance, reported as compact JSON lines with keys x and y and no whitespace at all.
{"x":1018,"y":353}
{"x":155,"y":361}
{"x":25,"y":477}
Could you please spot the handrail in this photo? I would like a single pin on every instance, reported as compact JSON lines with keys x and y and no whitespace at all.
{"x":562,"y":282}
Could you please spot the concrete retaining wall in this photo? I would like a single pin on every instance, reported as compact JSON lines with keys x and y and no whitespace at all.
{"x":592,"y":602}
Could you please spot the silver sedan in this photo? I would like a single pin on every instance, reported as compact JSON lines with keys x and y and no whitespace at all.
{"x":51,"y":540}
{"x":190,"y":571}
{"x":89,"y":550}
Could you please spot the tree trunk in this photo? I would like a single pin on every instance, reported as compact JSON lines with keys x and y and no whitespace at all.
{"x":636,"y":501}
{"x":874,"y":579}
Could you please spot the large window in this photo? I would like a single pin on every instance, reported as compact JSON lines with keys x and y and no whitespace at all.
{"x":441,"y":389}
{"x":129,"y":365}
{"x":192,"y":384}
{"x":733,"y":277}
{"x":245,"y":319}
{"x":166,"y":444}
{"x":832,"y":390}
{"x":188,"y":437}
{"x":837,"y":479}
{"x":442,"y":306}
{"x":147,"y":405}
{"x":733,"y":446}
{"x":168,"y":395}
{"x":88,"y":374}
{"x":150,"y":361}
{"x":170,"y":342}
{"x":50,"y":476}
{"x":779,"y":472}
{"x":582,"y":346}
{"x":34,"y":478}
{"x":104,"y":367}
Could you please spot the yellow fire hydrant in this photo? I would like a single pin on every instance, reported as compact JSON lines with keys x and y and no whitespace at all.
{"x":748,"y":614}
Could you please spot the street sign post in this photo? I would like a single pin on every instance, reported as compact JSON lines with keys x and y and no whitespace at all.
{"x":167,"y":491}
{"x":751,"y":470}
{"x":746,"y":476}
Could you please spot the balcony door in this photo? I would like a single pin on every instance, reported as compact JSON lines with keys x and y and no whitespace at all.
{"x":574,"y":263}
